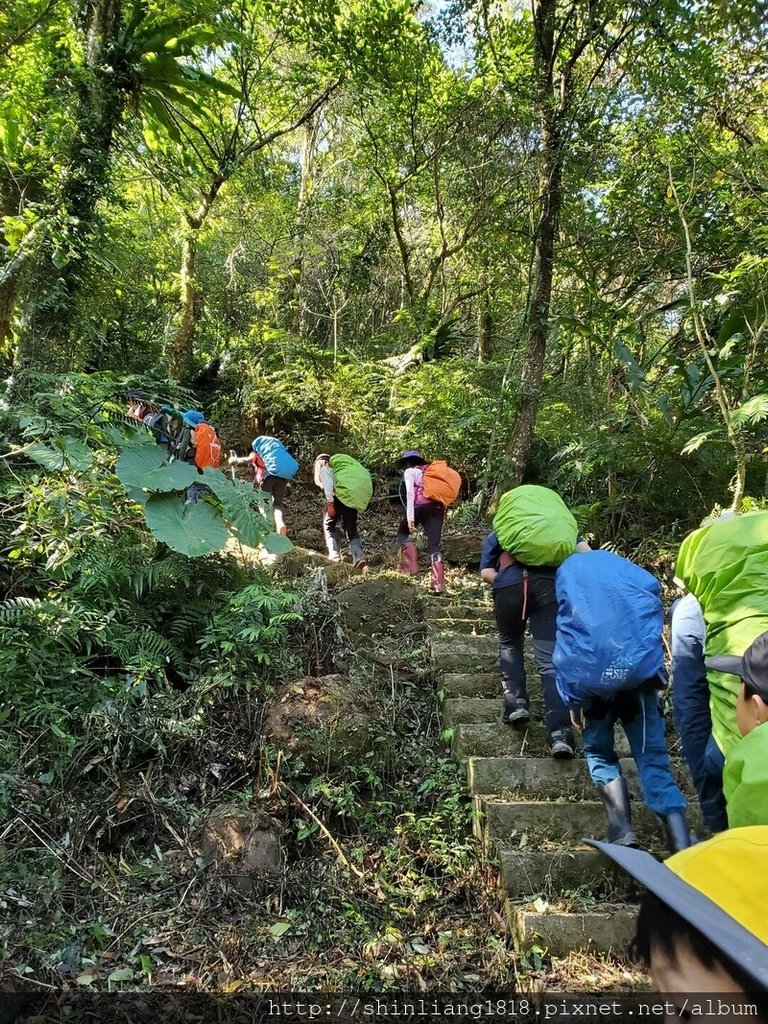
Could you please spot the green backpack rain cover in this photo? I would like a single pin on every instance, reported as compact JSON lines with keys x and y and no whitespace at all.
{"x":533,"y":524}
{"x":725,"y":567}
{"x":352,"y":482}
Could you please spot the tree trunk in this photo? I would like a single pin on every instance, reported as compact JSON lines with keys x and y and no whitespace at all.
{"x":550,"y":182}
{"x":181,"y":354}
{"x":59,"y":268}
{"x":484,"y":321}
{"x":8,"y":290}
{"x":303,"y":206}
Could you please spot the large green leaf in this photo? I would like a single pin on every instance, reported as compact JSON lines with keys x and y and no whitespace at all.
{"x":277,"y":544}
{"x":67,"y":453}
{"x":191,"y":528}
{"x":144,"y":465}
{"x":238,"y":501}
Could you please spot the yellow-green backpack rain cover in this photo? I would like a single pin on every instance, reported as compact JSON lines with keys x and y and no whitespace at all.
{"x":725,"y":567}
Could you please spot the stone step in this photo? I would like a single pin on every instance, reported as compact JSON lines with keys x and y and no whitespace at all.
{"x":502,"y":823}
{"x":462,"y":627}
{"x":544,"y":778}
{"x":606,"y":931}
{"x":436,"y":611}
{"x":536,"y":778}
{"x":553,"y":873}
{"x":476,"y":710}
{"x":471,"y":684}
{"x":494,"y":739}
{"x":464,"y":653}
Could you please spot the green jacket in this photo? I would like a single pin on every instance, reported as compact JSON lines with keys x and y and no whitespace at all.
{"x":745,"y":780}
{"x":725,"y":567}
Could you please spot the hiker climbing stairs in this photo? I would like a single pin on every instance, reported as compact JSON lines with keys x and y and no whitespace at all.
{"x":531,"y":812}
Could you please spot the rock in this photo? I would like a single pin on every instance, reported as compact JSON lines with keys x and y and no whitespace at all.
{"x":243,"y":842}
{"x":388,"y":604}
{"x":310,"y":538}
{"x":462,"y":548}
{"x":322,"y":721}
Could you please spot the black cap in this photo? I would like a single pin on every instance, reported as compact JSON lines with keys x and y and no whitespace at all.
{"x":752,"y":667}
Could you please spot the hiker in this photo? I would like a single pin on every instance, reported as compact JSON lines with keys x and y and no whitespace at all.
{"x":690,"y":699}
{"x":347,"y":488}
{"x":197,"y":444}
{"x":702,"y":925}
{"x":542,"y":532}
{"x":430,"y":488}
{"x":745,"y":778}
{"x":724,"y":566}
{"x":273,"y":467}
{"x":609,"y":664}
{"x":163,"y":423}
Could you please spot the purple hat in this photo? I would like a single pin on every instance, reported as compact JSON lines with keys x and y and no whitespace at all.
{"x":411,"y":455}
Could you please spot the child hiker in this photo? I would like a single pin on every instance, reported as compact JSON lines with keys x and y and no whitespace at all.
{"x":347,"y":487}
{"x":609,"y":664}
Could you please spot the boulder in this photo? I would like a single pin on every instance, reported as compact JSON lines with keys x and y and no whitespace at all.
{"x":323,"y":721}
{"x":462,"y":548}
{"x":242,"y":842}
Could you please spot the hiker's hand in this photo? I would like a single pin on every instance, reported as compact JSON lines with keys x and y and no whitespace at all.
{"x":232,"y":460}
{"x":411,"y":527}
{"x":330,"y":510}
{"x":577,"y":720}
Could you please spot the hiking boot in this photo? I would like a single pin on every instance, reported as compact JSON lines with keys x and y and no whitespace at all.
{"x":615,"y":798}
{"x":561,"y":744}
{"x":515,"y":711}
{"x":409,"y":559}
{"x":678,"y":835}
{"x":358,"y":557}
{"x":438,"y":574}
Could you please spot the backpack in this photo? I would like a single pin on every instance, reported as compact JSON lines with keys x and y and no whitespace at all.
{"x":352,"y":482}
{"x":276,"y":457}
{"x":207,"y":447}
{"x":533,"y":524}
{"x":609,"y":624}
{"x":440,"y":483}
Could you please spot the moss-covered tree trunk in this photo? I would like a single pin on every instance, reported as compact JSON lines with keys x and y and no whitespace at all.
{"x":59,"y":266}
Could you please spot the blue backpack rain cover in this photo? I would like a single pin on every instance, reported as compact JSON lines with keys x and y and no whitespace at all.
{"x":609,"y":623}
{"x":276,"y":457}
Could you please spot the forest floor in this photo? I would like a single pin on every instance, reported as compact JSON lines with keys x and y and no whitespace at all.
{"x":107,"y":879}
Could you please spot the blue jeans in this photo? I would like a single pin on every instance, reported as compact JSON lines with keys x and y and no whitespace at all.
{"x":690,"y":699}
{"x":534,"y":602}
{"x":639,"y":712}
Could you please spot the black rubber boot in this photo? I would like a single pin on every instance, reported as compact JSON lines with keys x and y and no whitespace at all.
{"x":678,"y":834}
{"x":615,"y":797}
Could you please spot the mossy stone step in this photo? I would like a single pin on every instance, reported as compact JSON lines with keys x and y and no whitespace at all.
{"x":536,"y":778}
{"x":554,"y":873}
{"x":494,"y":738}
{"x":502,"y":823}
{"x":607,"y":931}
{"x":475,"y":710}
{"x":436,"y":611}
{"x":476,"y":684}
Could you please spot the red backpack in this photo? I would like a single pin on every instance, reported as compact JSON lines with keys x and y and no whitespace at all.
{"x":207,"y":447}
{"x":440,"y":483}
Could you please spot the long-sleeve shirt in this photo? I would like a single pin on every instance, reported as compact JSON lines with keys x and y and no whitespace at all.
{"x":413,"y":478}
{"x":327,"y":483}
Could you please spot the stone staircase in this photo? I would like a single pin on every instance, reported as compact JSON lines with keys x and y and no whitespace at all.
{"x":530,"y":811}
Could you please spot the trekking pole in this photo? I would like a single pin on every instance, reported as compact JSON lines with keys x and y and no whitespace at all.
{"x":232,"y":455}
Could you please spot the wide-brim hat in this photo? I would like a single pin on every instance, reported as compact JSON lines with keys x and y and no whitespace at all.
{"x":193,"y":418}
{"x":411,"y":455}
{"x":752,"y":666}
{"x":720,"y":887}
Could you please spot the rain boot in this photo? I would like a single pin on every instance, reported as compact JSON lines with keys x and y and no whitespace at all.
{"x":331,"y":542}
{"x":358,"y":555}
{"x":409,"y":559}
{"x":438,"y":574}
{"x":678,"y":834}
{"x":615,"y":797}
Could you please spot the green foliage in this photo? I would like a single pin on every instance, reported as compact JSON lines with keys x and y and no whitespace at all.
{"x":104,"y":628}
